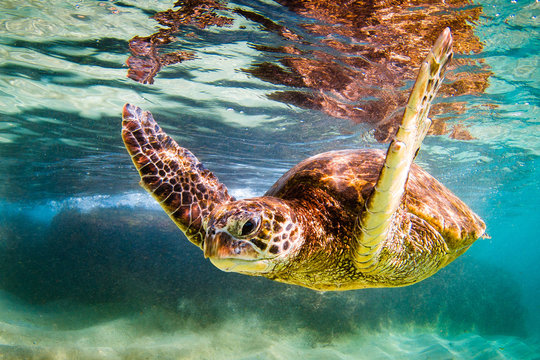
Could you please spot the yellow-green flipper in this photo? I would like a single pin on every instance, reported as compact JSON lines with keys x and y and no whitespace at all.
{"x":376,"y":220}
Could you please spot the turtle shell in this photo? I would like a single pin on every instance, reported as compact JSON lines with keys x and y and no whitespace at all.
{"x":348,"y":176}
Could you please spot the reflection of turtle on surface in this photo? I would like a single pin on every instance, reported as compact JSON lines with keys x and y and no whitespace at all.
{"x":337,"y":221}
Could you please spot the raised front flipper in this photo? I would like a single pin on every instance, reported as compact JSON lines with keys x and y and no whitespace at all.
{"x":375,"y":223}
{"x":171,"y":174}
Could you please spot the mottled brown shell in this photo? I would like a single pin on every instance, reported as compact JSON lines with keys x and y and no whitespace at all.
{"x":349,"y":177}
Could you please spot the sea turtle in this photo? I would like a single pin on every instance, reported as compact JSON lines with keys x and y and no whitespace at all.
{"x":339,"y":220}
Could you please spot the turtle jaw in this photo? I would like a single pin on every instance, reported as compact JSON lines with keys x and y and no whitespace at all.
{"x":233,"y":255}
{"x":248,"y":267}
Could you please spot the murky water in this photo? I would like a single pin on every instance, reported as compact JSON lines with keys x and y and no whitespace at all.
{"x":91,"y":267}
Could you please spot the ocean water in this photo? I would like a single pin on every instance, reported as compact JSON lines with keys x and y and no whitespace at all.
{"x":91,"y":268}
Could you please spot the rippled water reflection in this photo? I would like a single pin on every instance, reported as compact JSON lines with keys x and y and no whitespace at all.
{"x":63,"y":77}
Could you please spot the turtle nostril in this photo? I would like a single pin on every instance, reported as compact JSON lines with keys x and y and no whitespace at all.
{"x":238,"y":246}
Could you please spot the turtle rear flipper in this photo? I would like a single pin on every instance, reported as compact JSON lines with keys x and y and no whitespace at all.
{"x":374,"y":224}
{"x":184,"y":188}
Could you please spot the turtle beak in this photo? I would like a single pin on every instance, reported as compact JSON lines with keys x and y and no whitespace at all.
{"x":221,"y":245}
{"x":230,"y":254}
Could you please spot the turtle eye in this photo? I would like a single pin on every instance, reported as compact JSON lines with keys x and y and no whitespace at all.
{"x":248,"y":227}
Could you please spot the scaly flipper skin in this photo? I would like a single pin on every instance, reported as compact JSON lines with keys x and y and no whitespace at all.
{"x":171,"y":174}
{"x":376,"y":221}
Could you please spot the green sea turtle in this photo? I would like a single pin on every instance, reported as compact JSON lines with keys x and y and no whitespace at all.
{"x":340,"y":220}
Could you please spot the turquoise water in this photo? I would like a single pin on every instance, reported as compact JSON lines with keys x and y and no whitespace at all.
{"x":92,"y":269}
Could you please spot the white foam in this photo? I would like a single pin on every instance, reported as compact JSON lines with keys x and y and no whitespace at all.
{"x":45,"y":211}
{"x":87,"y":203}
{"x":243,"y":193}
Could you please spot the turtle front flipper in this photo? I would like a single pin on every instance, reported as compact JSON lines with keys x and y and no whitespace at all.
{"x":374,"y":224}
{"x":184,"y":188}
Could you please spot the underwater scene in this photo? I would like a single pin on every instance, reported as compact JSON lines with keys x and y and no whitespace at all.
{"x":91,"y":267}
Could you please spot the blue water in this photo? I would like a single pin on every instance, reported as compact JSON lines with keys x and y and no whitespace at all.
{"x":91,"y":268}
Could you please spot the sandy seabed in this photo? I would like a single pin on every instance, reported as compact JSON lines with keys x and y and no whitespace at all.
{"x":95,"y":332}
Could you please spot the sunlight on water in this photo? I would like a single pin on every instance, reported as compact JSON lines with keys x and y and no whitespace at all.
{"x":513,"y":57}
{"x":93,"y":269}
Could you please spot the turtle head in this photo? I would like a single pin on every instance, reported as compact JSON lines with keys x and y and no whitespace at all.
{"x":251,"y":236}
